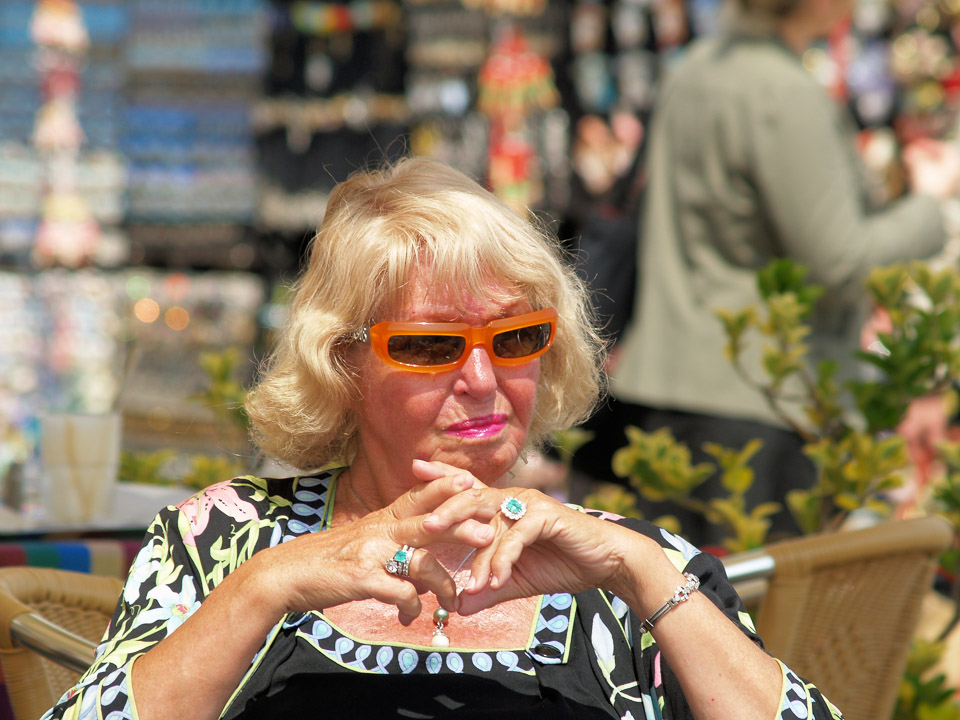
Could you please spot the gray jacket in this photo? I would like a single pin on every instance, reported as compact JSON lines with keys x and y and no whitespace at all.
{"x":748,"y":160}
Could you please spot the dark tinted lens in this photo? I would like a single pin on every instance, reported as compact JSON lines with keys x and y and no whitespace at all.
{"x":521,"y":342}
{"x":425,"y":349}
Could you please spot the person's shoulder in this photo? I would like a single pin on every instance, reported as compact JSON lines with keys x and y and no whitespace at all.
{"x":273,"y":494}
{"x":250,"y":497}
{"x":741,"y":67}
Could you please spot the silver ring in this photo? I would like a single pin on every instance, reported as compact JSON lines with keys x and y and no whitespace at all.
{"x":399,"y":564}
{"x":513,"y":508}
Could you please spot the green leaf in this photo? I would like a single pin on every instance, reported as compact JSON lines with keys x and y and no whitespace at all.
{"x":804,"y":506}
{"x":784,"y":276}
{"x":614,"y":499}
{"x":570,"y":440}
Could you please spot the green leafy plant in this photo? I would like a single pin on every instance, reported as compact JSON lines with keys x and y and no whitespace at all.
{"x":924,"y":694}
{"x":146,"y":468}
{"x":849,"y":428}
{"x":568,"y":441}
{"x":205,"y":470}
{"x":660,"y":468}
{"x":858,"y":456}
{"x":946,"y":502}
{"x":224,"y":396}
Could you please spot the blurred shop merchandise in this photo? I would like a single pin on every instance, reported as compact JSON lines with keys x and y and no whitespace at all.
{"x":67,"y":335}
{"x":68,"y":232}
{"x":195,"y":71}
{"x":164,"y":163}
{"x":515,"y":84}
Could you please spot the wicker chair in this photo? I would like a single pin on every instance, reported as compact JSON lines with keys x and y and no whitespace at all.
{"x":44,"y":614}
{"x":840,"y":609}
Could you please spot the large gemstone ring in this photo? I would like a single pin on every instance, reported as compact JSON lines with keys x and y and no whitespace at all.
{"x":513,"y":508}
{"x":399,"y":564}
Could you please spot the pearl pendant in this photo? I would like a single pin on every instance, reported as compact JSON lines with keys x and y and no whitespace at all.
{"x":440,"y":639}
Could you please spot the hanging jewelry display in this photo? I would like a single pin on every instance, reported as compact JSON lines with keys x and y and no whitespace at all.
{"x":514,"y":83}
{"x":68,"y":233}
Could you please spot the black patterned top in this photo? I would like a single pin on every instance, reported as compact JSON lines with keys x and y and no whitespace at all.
{"x":583,"y":658}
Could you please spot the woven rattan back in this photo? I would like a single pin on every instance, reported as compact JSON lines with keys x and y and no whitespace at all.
{"x":841,"y":608}
{"x":77,"y":602}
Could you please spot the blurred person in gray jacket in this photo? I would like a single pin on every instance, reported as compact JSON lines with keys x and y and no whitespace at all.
{"x":749,"y":159}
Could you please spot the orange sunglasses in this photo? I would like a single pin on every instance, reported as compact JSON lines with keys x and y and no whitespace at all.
{"x":438,"y":347}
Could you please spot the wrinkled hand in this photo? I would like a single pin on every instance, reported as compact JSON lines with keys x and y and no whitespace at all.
{"x":346,"y":563}
{"x":552,"y":548}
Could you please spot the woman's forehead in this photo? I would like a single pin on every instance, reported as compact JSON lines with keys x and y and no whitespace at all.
{"x":422,"y":298}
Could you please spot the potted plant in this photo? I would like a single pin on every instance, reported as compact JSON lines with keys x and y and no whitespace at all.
{"x":848,"y":428}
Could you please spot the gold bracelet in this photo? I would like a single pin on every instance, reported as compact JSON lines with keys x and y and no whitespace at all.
{"x":679,"y":596}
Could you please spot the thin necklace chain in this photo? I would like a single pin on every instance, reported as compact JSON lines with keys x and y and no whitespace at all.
{"x":353,"y":491}
{"x":462,"y":563}
{"x":440,"y":638}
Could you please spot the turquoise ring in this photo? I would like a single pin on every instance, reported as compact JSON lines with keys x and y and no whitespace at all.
{"x":513,"y":508}
{"x":399,"y":564}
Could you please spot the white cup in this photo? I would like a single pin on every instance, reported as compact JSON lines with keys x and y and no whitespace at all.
{"x":81,"y":456}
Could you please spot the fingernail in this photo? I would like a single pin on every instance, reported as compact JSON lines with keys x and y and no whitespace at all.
{"x":471,"y":584}
{"x":485,"y":532}
{"x":432,"y":519}
{"x":494,"y":582}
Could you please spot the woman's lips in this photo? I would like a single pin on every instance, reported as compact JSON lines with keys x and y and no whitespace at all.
{"x":480,"y":427}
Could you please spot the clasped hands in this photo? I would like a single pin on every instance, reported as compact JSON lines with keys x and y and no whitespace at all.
{"x":551,"y":548}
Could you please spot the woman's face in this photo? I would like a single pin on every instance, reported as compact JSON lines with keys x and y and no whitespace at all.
{"x":475,"y":417}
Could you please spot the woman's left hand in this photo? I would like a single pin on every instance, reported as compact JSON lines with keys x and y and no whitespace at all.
{"x":551,"y":548}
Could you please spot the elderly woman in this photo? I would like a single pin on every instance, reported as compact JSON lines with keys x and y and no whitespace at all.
{"x":435,"y":336}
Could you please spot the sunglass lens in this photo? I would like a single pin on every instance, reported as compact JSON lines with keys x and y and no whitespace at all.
{"x":425,"y":349}
{"x":522,"y":341}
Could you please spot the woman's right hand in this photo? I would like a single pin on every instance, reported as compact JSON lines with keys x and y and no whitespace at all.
{"x":346,"y":562}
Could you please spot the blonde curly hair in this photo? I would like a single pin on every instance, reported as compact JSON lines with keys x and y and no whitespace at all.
{"x":380,"y":226}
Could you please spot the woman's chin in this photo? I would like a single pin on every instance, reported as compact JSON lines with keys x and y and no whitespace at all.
{"x":488,"y":462}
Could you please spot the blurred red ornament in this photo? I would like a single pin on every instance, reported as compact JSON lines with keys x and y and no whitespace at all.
{"x":514,"y":80}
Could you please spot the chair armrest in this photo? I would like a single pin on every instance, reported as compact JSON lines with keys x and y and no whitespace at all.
{"x":52,"y":641}
{"x":748,"y":566}
{"x":749,"y":573}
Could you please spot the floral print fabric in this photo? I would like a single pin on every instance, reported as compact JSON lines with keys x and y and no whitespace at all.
{"x":584,"y":659}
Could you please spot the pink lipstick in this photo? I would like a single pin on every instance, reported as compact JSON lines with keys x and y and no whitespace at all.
{"x":481,"y":427}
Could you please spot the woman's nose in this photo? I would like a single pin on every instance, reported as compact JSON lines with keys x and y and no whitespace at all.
{"x":478,"y":373}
